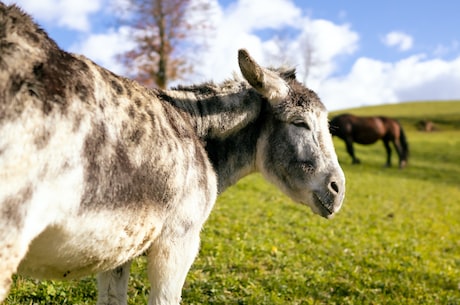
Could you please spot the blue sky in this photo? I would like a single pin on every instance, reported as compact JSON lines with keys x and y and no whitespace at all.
{"x":367,"y":52}
{"x":430,"y":23}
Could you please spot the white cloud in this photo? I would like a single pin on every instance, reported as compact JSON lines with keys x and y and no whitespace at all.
{"x":400,"y":40}
{"x":71,"y":14}
{"x":236,"y":26}
{"x":234,"y":29}
{"x":417,"y":78}
{"x":364,"y":85}
{"x":443,"y":50}
{"x":330,"y":41}
{"x":375,"y":82}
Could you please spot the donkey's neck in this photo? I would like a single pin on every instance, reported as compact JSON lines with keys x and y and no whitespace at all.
{"x":226,"y":119}
{"x":234,"y":157}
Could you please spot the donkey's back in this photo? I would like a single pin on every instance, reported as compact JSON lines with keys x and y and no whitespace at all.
{"x":87,"y":181}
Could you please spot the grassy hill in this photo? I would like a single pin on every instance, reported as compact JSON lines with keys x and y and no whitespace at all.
{"x":395,"y":241}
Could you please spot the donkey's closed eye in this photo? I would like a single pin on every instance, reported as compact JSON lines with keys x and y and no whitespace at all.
{"x":301,"y":124}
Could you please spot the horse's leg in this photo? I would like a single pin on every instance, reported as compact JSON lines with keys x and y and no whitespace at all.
{"x":399,"y":151}
{"x":351,"y":151}
{"x":112,"y":286}
{"x":169,"y":261}
{"x":386,"y":143}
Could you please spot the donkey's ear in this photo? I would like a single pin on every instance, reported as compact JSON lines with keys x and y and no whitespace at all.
{"x":265,"y":81}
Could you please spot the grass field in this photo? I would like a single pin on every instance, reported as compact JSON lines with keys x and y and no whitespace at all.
{"x":395,"y":241}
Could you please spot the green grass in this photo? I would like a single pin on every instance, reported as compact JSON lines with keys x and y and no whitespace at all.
{"x":395,"y":241}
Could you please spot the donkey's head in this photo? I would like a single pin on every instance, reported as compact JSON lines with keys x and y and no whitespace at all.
{"x":295,"y":149}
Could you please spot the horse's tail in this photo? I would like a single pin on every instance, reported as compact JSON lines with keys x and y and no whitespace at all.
{"x":404,"y":143}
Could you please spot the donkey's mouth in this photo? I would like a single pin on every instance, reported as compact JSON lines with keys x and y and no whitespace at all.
{"x":321,"y":207}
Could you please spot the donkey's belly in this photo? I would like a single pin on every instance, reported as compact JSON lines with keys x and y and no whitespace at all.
{"x":88,"y":245}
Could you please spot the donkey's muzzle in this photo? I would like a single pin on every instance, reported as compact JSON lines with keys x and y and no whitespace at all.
{"x":329,"y":199}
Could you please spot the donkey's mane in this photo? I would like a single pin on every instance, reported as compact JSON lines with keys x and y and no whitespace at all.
{"x":286,"y":72}
{"x":209,"y":87}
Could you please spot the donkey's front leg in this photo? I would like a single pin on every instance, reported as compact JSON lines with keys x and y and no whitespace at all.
{"x":112,"y":286}
{"x":168,"y":264}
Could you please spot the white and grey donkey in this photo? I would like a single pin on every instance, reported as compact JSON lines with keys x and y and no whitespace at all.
{"x":96,"y":170}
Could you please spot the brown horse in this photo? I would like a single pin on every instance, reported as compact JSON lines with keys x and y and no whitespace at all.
{"x":368,"y":130}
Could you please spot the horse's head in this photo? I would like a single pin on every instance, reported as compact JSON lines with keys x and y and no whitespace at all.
{"x":295,"y":149}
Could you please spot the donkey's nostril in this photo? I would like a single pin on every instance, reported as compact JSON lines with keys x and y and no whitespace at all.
{"x":334,"y":186}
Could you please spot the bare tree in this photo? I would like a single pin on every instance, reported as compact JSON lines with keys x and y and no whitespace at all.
{"x":309,"y":57}
{"x":279,"y":54}
{"x":165,"y":33}
{"x":284,"y":53}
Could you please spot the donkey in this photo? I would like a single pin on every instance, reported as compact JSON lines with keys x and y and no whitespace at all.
{"x":96,"y":170}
